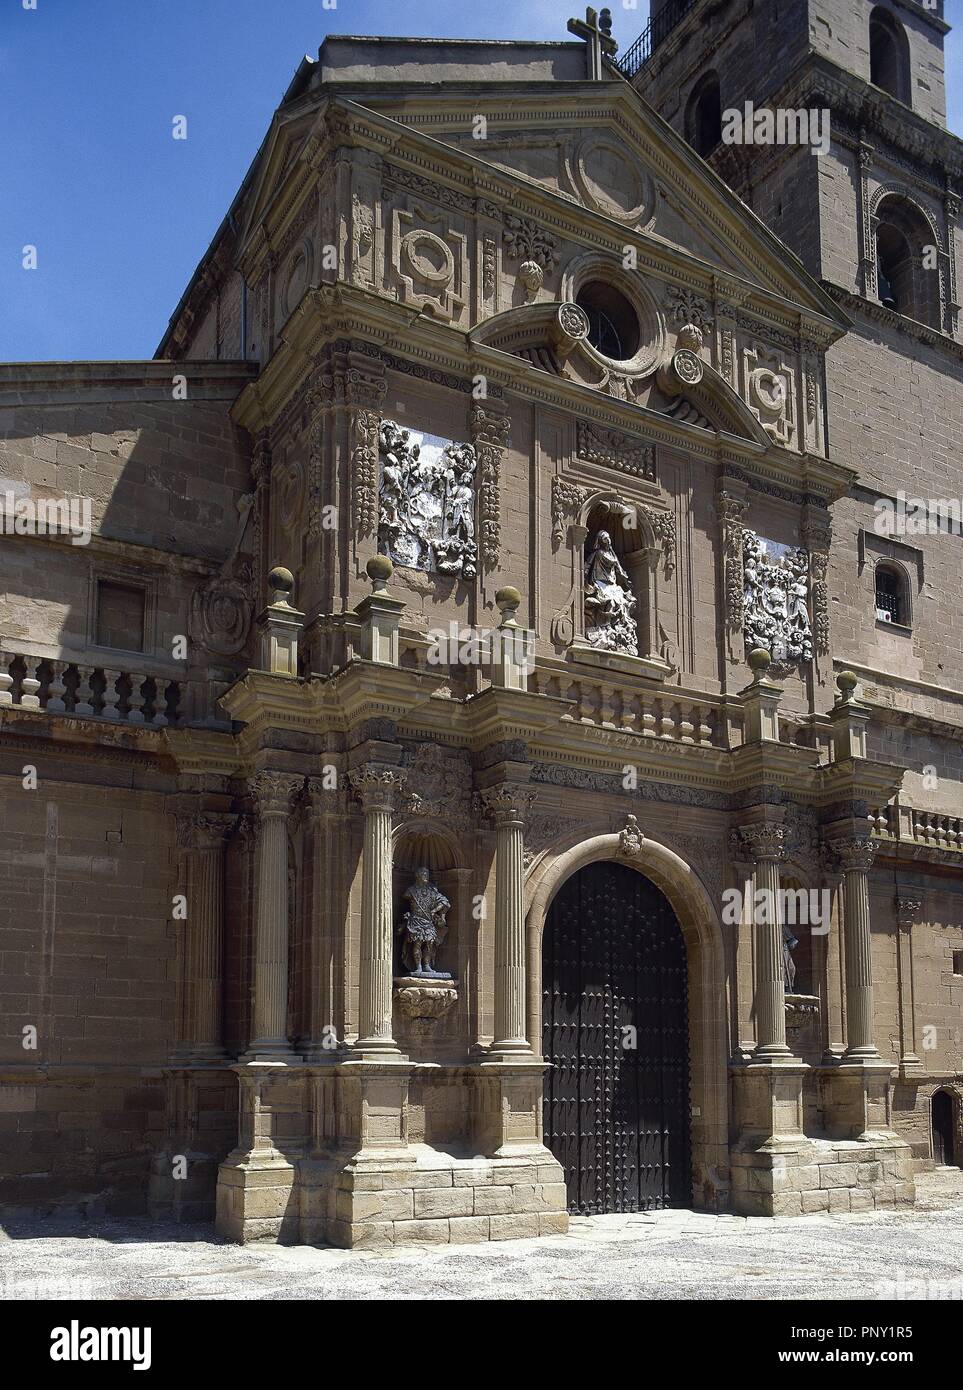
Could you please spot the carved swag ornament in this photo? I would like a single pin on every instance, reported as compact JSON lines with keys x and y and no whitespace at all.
{"x":427,"y":503}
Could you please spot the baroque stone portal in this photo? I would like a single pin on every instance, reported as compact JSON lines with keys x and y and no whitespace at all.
{"x":427,"y":502}
{"x":776,"y":590}
{"x":609,"y":600}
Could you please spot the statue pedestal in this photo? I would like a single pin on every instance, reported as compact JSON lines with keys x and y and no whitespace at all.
{"x":423,"y":999}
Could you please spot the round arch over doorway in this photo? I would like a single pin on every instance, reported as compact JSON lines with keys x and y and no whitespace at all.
{"x":701,"y":931}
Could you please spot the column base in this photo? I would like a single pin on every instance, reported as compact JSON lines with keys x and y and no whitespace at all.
{"x":818,"y":1175}
{"x":857,"y":1098}
{"x":267,"y":1050}
{"x":506,"y":1119}
{"x":768,"y":1100}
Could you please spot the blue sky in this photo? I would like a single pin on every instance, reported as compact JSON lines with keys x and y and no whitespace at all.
{"x":119,"y":211}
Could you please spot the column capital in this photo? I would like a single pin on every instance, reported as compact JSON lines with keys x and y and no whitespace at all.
{"x":323,"y":799}
{"x":274,"y":791}
{"x":378,"y":788}
{"x":764,"y":840}
{"x":204,"y":829}
{"x":856,"y":855}
{"x":508,"y":803}
{"x":908,"y":909}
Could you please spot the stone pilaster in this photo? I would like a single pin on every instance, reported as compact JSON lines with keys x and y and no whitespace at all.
{"x":272,"y":792}
{"x":325,"y":805}
{"x":377,"y":788}
{"x":508,"y":804}
{"x":201,"y":836}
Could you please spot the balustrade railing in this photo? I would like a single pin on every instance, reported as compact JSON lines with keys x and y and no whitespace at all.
{"x":927,"y":828}
{"x":90,"y":691}
{"x":670,"y":715}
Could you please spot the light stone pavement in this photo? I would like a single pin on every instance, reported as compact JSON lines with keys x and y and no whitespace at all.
{"x":916,"y":1253}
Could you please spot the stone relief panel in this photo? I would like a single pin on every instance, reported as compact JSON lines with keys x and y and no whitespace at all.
{"x":614,"y":449}
{"x":429,"y":261}
{"x":770,"y":387}
{"x":426,"y":517}
{"x":775,"y":601}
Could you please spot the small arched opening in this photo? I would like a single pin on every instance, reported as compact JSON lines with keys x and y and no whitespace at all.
{"x":891,"y":595}
{"x":703,"y":121}
{"x":907,"y":262}
{"x":942,"y":1118}
{"x":889,"y":59}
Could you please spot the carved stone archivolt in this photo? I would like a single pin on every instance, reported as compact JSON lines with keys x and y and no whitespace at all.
{"x":775,"y":594}
{"x":489,"y":437}
{"x":427,"y":502}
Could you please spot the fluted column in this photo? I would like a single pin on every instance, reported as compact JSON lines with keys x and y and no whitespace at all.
{"x":377,"y":788}
{"x":856,"y":858}
{"x":272,"y":792}
{"x":202,"y":837}
{"x":508,"y":804}
{"x":909,"y":908}
{"x":766,"y":844}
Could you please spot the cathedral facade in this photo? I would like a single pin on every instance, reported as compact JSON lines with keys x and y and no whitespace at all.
{"x":485,"y":743}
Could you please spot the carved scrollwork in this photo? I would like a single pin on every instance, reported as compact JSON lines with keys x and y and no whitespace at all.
{"x":377,"y":788}
{"x":567,"y":500}
{"x":763,"y":841}
{"x":489,"y":434}
{"x":615,"y":450}
{"x":856,"y":855}
{"x":525,"y":240}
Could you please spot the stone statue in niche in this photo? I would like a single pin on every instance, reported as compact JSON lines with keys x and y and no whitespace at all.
{"x":427,"y":502}
{"x":423,"y":927}
{"x":609,"y":600}
{"x":775,"y":600}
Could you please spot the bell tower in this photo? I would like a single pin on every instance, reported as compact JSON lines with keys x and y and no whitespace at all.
{"x":859,"y":81}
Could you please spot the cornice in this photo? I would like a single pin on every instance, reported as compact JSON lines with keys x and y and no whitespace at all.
{"x":858,"y":307}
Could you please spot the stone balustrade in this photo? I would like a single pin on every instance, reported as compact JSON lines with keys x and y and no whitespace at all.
{"x":925,"y":829}
{"x":630,"y":708}
{"x":91,"y":692}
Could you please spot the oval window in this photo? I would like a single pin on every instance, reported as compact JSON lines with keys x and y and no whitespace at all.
{"x":613,"y":323}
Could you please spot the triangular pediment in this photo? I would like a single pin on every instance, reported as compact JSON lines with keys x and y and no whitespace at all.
{"x":610,"y":153}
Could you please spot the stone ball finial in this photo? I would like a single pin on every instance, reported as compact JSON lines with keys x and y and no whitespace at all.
{"x":759,"y":661}
{"x":379,"y":570}
{"x":847,"y":683}
{"x":281,"y":584}
{"x":508,"y":600}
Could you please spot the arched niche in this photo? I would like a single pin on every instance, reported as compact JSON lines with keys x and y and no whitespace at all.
{"x":639,"y":553}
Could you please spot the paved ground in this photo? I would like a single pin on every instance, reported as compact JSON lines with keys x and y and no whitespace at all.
{"x":916,"y":1254}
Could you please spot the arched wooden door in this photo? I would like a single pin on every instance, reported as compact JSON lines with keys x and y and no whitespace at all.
{"x":941,"y":1114}
{"x":615,"y":1028}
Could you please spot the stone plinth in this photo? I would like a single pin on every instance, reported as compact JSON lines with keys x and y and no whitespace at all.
{"x":820,"y":1175}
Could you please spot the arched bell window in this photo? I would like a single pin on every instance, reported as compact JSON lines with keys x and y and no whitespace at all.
{"x":889,"y":58}
{"x":703,"y":121}
{"x":907,"y":262}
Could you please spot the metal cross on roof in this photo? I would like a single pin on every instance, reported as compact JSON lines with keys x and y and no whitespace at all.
{"x":596,"y":30}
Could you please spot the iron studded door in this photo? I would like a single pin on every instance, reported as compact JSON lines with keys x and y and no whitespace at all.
{"x":613,"y":974}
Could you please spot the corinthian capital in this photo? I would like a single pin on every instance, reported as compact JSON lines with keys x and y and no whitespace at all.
{"x":764,"y":841}
{"x":509,"y":803}
{"x":204,"y":829}
{"x":377,"y":788}
{"x":856,"y":854}
{"x":273,"y":791}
